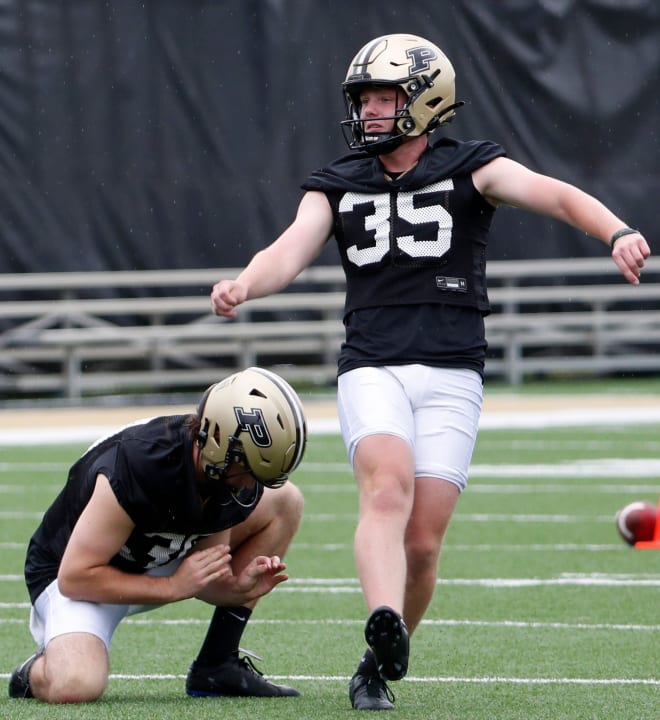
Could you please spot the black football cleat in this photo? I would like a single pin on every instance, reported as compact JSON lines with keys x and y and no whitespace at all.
{"x":19,"y":682}
{"x":370,"y":692}
{"x":387,"y":636}
{"x":236,"y":676}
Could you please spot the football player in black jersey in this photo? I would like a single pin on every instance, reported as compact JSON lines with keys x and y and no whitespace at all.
{"x":410,"y":210}
{"x":166,"y":509}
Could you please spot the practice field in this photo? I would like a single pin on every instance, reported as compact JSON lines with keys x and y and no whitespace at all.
{"x":541,"y":611}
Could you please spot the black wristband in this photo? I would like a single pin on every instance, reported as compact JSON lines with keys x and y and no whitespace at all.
{"x":620,"y":233}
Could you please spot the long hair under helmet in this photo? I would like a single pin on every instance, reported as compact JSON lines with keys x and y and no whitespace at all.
{"x":416,"y":67}
{"x":253,"y":417}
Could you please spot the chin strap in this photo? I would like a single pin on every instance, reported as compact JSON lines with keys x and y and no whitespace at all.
{"x":384,"y":146}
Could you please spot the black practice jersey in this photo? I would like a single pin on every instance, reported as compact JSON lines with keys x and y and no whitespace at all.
{"x":413,"y":250}
{"x":150,"y":469}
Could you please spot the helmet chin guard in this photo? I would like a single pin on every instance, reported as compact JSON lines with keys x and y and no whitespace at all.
{"x":416,"y":67}
{"x":373,"y":143}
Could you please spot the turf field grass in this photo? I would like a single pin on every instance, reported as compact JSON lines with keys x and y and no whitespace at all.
{"x":541,"y":612}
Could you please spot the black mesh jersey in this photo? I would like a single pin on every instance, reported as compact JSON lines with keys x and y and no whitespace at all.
{"x":414,"y":253}
{"x":150,"y":468}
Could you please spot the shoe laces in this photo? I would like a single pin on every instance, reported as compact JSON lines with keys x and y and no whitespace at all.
{"x":377,"y":684}
{"x":247,"y":662}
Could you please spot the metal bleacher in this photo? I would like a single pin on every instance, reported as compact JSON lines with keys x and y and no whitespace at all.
{"x":72,"y":335}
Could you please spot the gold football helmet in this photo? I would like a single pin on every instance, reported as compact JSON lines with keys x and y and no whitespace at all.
{"x":255,"y":418}
{"x":420,"y":70}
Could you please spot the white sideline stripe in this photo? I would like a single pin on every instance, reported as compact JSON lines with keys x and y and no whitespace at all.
{"x":458,"y":517}
{"x":536,"y":681}
{"x":515,"y":624}
{"x":479,"y":518}
{"x":519,"y":624}
{"x":571,"y":417}
{"x":545,"y":443}
{"x":351,"y":585}
{"x":600,"y":468}
{"x":470,"y":680}
{"x":596,"y":579}
{"x":475,"y":680}
{"x":616,"y":488}
{"x":330,"y":426}
{"x":483,"y":547}
{"x":434,"y":623}
{"x":498,"y":487}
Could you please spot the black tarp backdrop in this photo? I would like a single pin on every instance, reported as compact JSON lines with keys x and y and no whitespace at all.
{"x":176,"y":133}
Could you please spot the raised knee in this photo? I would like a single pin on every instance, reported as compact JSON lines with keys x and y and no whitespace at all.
{"x":291,"y":501}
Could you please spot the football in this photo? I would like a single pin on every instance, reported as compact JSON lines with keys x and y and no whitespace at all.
{"x":636,"y":521}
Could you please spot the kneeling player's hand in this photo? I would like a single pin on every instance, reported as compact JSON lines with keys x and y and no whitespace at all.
{"x":260,"y":576}
{"x":199,"y":569}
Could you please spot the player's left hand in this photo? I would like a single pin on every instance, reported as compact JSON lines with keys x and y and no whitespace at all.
{"x":260,"y":576}
{"x":629,"y":254}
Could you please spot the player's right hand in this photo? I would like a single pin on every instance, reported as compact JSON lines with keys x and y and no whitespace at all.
{"x":225,"y":296}
{"x":199,"y":569}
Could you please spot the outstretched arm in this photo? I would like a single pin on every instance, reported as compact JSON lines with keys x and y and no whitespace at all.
{"x":274,"y":267}
{"x":504,"y":181}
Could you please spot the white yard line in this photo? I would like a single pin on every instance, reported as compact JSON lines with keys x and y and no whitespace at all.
{"x":485,"y":680}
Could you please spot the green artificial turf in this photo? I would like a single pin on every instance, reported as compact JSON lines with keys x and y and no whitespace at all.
{"x":541,"y":611}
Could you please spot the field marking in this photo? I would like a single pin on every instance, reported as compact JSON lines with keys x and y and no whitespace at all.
{"x":601,"y":467}
{"x":430,"y":623}
{"x":35,"y":466}
{"x":514,"y":624}
{"x":553,"y":488}
{"x":20,"y":515}
{"x":517,"y":444}
{"x":494,"y":488}
{"x":352,"y":585}
{"x":612,"y":467}
{"x":472,"y":680}
{"x":481,"y":547}
{"x":572,"y":417}
{"x":558,"y":518}
{"x":481,"y":518}
{"x":596,"y":468}
{"x":566,"y":579}
{"x":484,"y":680}
{"x":498,"y":487}
{"x":536,"y":681}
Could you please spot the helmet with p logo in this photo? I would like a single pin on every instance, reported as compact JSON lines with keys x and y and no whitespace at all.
{"x":416,"y":67}
{"x":253,"y":417}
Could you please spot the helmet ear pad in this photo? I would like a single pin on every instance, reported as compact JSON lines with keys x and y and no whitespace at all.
{"x":253,"y":417}
{"x":203,"y":432}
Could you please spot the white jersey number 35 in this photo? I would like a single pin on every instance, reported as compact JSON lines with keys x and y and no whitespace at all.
{"x":416,"y":208}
